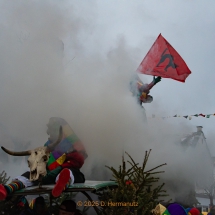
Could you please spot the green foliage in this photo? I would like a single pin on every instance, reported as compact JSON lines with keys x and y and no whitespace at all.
{"x":10,"y":207}
{"x":135,"y":185}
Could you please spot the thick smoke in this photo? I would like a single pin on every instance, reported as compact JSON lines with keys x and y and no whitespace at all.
{"x":48,"y":69}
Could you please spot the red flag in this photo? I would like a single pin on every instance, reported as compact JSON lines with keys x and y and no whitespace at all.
{"x":163,"y":60}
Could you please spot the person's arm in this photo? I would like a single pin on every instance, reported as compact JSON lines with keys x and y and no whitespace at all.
{"x":73,"y":160}
{"x":152,"y":84}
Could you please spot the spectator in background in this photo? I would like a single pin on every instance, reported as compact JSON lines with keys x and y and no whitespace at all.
{"x":68,"y":207}
{"x":39,"y":207}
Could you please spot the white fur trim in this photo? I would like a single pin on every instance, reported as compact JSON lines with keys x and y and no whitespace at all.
{"x":24,"y":180}
{"x":71,"y":177}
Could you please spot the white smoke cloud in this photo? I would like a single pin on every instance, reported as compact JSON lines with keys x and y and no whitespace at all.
{"x":85,"y":85}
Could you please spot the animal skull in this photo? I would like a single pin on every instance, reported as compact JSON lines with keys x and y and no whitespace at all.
{"x":37,"y":162}
{"x":38,"y":158}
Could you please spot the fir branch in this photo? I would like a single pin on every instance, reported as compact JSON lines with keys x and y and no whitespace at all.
{"x":134,"y":184}
{"x":156,"y":167}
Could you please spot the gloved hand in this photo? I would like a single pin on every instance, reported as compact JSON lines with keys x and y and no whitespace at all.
{"x":156,"y":80}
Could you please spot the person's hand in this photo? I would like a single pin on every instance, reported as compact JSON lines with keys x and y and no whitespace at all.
{"x":156,"y":80}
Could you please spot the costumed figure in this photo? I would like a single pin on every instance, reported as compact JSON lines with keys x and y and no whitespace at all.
{"x":175,"y":209}
{"x":141,"y":91}
{"x":57,"y":162}
{"x":162,"y":60}
{"x":68,"y":207}
{"x":193,"y":138}
{"x":160,"y":210}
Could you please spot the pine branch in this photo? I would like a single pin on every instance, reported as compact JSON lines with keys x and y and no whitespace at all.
{"x":134,"y":184}
{"x":3,"y":179}
{"x":156,"y":167}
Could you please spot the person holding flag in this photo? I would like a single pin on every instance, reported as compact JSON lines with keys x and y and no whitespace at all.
{"x":141,"y":90}
{"x":164,"y":61}
{"x":144,"y":91}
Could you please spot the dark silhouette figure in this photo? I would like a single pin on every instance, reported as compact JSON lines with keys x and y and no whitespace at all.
{"x":171,"y":60}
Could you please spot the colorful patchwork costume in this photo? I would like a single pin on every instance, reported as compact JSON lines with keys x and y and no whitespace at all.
{"x":63,"y":167}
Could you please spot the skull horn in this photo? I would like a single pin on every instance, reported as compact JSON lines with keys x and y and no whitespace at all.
{"x":53,"y":145}
{"x":23,"y":153}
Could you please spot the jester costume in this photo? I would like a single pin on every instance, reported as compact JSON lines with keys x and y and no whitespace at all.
{"x":175,"y":209}
{"x":141,"y":91}
{"x":63,"y":167}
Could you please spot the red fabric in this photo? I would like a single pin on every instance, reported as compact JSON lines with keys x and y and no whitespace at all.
{"x":3,"y":192}
{"x":164,"y":61}
{"x":61,"y":183}
{"x":149,"y":86}
{"x":78,"y":146}
{"x":53,"y":165}
{"x":194,"y":211}
{"x":73,"y":160}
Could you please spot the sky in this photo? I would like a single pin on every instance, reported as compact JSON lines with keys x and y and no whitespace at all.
{"x":87,"y":83}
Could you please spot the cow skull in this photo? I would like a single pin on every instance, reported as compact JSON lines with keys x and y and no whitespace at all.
{"x":38,"y":158}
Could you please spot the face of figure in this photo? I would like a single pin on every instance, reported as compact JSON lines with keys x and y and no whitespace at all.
{"x":63,"y":212}
{"x":52,"y":132}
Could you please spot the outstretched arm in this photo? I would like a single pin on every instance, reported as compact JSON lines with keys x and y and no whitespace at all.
{"x":155,"y":81}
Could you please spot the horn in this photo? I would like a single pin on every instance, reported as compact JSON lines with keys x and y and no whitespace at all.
{"x":53,"y":145}
{"x":23,"y":153}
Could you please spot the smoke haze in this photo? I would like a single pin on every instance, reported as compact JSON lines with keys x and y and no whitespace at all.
{"x":52,"y":63}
